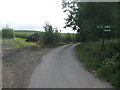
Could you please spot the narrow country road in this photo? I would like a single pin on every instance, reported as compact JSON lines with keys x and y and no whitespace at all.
{"x":61,"y":69}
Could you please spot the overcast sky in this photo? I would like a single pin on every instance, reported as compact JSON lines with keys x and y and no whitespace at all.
{"x":32,"y":14}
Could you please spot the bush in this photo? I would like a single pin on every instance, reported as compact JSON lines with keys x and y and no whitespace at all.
{"x":51,"y":36}
{"x":33,"y":38}
{"x":7,"y":33}
{"x":57,"y":37}
{"x":68,"y":37}
{"x":48,"y":36}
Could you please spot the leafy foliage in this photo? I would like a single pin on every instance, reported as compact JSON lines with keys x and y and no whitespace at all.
{"x":85,"y":16}
{"x":57,"y":36}
{"x":48,"y":36}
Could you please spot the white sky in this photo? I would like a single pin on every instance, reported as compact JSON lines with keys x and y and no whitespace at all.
{"x":32,"y":14}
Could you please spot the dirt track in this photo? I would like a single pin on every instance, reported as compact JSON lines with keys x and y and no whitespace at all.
{"x":18,"y":65}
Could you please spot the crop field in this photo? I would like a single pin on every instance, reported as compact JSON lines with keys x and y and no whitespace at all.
{"x":27,"y":33}
{"x":24,"y":33}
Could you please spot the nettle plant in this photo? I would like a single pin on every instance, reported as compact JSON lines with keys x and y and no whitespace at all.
{"x":7,"y":32}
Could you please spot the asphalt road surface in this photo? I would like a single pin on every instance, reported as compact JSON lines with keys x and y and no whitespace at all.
{"x":61,"y":69}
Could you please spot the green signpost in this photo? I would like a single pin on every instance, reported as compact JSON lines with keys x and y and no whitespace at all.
{"x":107,"y":26}
{"x":99,"y":26}
{"x":104,"y":27}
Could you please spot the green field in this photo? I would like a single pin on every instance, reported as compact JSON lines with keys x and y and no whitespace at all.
{"x":22,"y":42}
{"x":24,"y":33}
{"x":27,"y":33}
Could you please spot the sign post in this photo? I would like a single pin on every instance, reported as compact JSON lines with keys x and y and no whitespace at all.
{"x":104,"y":29}
{"x":108,"y":31}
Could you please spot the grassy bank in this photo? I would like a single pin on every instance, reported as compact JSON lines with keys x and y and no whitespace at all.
{"x":104,"y":62}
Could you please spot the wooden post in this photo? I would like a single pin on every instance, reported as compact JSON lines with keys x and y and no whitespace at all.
{"x":108,"y":36}
{"x":103,"y":38}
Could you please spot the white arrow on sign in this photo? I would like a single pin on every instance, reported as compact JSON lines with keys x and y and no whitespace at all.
{"x":107,"y":30}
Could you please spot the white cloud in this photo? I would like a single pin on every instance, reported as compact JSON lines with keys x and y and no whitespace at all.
{"x":32,"y":13}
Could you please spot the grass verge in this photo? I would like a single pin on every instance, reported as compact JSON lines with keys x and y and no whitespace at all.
{"x":104,"y":62}
{"x":20,"y":43}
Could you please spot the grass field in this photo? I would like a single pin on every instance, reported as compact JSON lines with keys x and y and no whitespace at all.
{"x":25,"y":44}
{"x":104,"y":62}
{"x":22,"y":42}
{"x":24,"y":33}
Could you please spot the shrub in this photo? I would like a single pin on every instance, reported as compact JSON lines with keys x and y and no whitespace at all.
{"x":57,"y":37}
{"x":48,"y":35}
{"x":68,"y":37}
{"x":33,"y":38}
{"x":7,"y":33}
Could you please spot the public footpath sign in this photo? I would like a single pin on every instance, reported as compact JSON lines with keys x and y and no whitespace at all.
{"x":104,"y":29}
